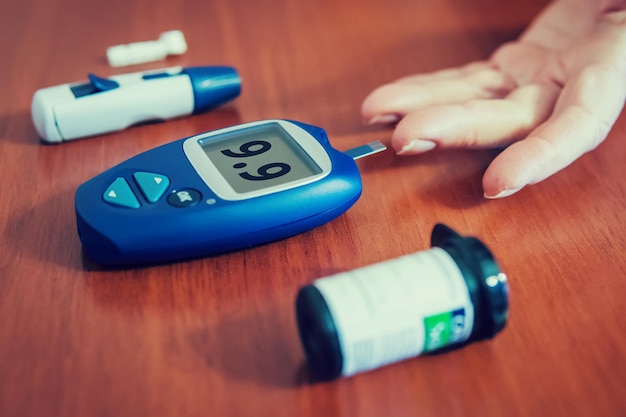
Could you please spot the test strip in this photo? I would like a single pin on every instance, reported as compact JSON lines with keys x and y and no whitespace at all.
{"x":366,"y":150}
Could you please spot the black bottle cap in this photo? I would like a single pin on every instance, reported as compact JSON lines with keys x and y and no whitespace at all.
{"x":487,"y":285}
{"x":318,"y":334}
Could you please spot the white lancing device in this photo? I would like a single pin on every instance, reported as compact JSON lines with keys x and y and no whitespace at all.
{"x":102,"y":105}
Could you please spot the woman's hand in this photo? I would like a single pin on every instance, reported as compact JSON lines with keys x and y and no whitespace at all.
{"x":548,"y":97}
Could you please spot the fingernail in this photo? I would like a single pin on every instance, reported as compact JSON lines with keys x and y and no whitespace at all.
{"x":417,"y":146}
{"x":384,"y":119}
{"x":503,"y":193}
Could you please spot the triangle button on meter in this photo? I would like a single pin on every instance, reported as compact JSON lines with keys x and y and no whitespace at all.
{"x":119,"y":193}
{"x":152,"y":185}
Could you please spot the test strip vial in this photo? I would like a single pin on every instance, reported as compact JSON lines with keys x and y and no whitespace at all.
{"x":446,"y":297}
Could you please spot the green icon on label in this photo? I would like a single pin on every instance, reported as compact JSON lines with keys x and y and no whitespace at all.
{"x":444,"y":329}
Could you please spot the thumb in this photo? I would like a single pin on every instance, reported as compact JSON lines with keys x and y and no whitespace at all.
{"x":583,"y":117}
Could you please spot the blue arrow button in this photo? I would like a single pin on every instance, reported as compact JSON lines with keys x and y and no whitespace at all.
{"x":119,"y":193}
{"x":152,"y":185}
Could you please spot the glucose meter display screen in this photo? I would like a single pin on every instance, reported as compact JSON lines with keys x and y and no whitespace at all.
{"x":258,"y":157}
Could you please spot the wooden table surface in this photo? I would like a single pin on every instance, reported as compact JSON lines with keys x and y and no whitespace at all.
{"x":217,"y":336}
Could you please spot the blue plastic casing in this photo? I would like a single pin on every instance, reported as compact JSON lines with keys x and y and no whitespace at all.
{"x":159,"y":232}
{"x":212,"y":86}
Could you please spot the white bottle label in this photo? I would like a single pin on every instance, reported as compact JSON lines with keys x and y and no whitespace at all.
{"x":398,"y":309}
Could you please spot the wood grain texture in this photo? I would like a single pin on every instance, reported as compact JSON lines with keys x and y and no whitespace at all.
{"x":217,"y":336}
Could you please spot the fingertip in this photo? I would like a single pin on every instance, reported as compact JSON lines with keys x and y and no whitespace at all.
{"x":500,"y":183}
{"x":382,"y":119}
{"x":418,"y":132}
{"x":390,"y":102}
{"x":373,"y":108}
{"x":416,"y":146}
{"x":494,"y":195}
{"x":508,"y":173}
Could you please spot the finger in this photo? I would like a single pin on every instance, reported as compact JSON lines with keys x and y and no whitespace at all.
{"x":395,"y":100}
{"x":477,"y":123}
{"x":458,"y":72}
{"x":586,"y":111}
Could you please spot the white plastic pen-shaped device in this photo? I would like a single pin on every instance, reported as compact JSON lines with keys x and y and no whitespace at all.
{"x":102,"y":105}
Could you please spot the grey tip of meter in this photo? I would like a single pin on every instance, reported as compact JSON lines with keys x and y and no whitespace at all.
{"x":366,"y":150}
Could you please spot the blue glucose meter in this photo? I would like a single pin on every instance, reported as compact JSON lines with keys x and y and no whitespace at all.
{"x":216,"y":192}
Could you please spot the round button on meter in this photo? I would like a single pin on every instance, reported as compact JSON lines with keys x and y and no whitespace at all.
{"x":186,"y":197}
